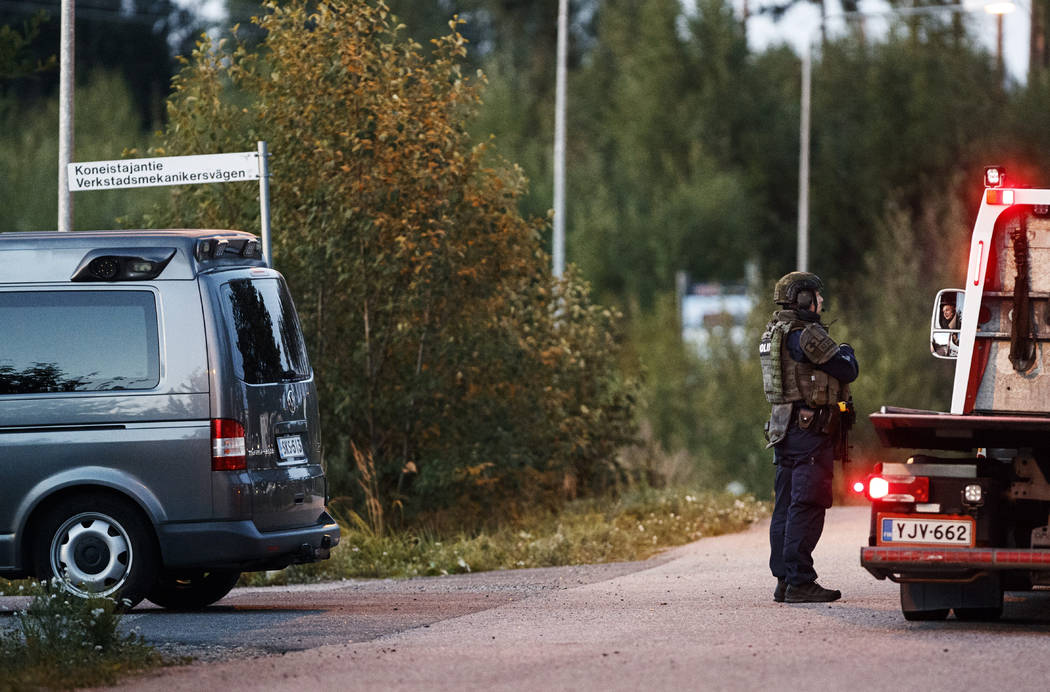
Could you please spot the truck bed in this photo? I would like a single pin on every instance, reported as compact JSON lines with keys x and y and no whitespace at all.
{"x":917,"y":429}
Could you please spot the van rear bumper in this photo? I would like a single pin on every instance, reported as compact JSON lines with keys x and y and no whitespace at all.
{"x":240,"y":545}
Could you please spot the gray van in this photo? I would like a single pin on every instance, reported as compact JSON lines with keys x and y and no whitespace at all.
{"x":158,"y":416}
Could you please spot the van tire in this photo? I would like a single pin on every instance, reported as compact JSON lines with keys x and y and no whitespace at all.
{"x":192,"y":590}
{"x":97,"y":545}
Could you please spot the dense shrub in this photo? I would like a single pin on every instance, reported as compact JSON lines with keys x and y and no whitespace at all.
{"x":445,"y":352}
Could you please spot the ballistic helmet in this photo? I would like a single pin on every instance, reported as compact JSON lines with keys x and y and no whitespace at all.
{"x":787,"y":289}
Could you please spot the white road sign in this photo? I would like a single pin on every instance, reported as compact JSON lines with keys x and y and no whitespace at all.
{"x":165,"y":170}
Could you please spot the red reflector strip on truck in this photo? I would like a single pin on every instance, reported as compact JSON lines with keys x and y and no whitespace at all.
{"x":1005,"y":197}
{"x":227,"y":445}
{"x":902,"y":558}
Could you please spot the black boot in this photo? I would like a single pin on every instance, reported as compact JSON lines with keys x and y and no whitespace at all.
{"x":778,"y":594}
{"x":811,"y":592}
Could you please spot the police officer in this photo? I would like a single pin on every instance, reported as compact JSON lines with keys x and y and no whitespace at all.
{"x":806,"y":375}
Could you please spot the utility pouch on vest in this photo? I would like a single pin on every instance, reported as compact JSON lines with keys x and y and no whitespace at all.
{"x":806,"y":417}
{"x":777,"y":425}
{"x":823,"y":383}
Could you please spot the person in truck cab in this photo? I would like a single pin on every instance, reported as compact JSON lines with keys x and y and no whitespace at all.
{"x":949,"y":319}
{"x":805,"y":375}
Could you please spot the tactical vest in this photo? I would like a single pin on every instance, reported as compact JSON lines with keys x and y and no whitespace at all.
{"x":786,"y":380}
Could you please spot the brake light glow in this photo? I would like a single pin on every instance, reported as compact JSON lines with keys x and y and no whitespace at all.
{"x":227,"y":445}
{"x":898,"y":488}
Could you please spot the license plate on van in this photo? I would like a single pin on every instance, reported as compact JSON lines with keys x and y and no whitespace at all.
{"x":941,"y":530}
{"x":290,"y":449}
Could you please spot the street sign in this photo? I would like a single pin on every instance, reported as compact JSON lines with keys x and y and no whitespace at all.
{"x":165,"y":170}
{"x":181,"y":170}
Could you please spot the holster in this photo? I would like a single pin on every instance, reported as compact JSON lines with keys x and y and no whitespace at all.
{"x":821,"y":419}
{"x":807,"y":417}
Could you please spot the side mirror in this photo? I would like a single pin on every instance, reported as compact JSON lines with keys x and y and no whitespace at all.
{"x":946,"y":323}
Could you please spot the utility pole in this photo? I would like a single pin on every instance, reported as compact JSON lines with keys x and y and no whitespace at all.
{"x":65,"y":115}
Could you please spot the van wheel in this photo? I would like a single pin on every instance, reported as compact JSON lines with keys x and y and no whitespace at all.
{"x":96,"y":545}
{"x":192,"y":590}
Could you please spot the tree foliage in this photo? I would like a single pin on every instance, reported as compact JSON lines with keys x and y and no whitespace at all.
{"x":107,"y":122}
{"x":443,"y":349}
{"x":136,"y":38}
{"x":15,"y":58}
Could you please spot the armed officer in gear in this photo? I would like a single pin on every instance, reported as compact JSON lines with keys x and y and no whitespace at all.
{"x":806,"y":377}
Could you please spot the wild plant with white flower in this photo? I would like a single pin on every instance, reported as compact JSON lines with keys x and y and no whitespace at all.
{"x":61,"y":640}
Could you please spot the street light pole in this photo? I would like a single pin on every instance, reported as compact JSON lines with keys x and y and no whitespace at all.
{"x":802,"y":257}
{"x":802,"y":252}
{"x":558,"y":241}
{"x":65,"y":115}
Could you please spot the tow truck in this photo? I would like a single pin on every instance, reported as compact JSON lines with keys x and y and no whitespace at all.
{"x":969,"y":517}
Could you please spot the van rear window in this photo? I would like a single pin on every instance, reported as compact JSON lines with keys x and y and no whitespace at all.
{"x":267,"y":343}
{"x":78,"y":341}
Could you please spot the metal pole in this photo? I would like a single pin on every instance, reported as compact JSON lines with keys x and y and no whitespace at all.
{"x":802,"y":253}
{"x":999,"y":67}
{"x":804,"y":126}
{"x":65,"y":116}
{"x":264,"y":202}
{"x":558,"y":241}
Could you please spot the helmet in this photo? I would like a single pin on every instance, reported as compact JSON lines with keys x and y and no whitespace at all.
{"x":787,"y":289}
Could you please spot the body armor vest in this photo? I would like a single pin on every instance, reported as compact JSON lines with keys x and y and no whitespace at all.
{"x":786,"y":380}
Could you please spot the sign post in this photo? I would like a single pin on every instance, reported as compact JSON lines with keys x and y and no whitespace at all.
{"x":180,"y":170}
{"x":264,"y":201}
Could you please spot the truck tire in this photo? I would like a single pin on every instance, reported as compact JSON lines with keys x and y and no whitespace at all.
{"x":96,"y":545}
{"x":925,"y":615}
{"x":192,"y":590}
{"x":990,"y":614}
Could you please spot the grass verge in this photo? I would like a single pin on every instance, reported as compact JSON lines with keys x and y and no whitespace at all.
{"x":632,"y":527}
{"x":64,"y":642}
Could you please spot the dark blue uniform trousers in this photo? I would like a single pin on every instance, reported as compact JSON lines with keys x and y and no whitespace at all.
{"x":802,"y":488}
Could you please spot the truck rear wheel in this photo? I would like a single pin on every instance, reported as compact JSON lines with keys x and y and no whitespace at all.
{"x":979,"y":614}
{"x":925,"y":615}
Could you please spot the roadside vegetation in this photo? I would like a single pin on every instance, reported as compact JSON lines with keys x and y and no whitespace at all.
{"x":63,"y":642}
{"x":633,"y":527}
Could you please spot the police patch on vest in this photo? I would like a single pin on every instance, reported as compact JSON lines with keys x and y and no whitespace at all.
{"x":817,"y":344}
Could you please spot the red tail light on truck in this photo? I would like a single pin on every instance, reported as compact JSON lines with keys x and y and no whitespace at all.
{"x":887,"y":488}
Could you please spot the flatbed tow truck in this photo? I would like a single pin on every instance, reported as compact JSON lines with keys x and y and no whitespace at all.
{"x":969,"y":517}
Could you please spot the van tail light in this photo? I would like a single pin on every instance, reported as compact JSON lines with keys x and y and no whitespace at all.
{"x":227,"y":445}
{"x":885,"y":488}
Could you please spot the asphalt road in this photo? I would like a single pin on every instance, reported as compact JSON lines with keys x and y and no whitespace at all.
{"x":698,"y":617}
